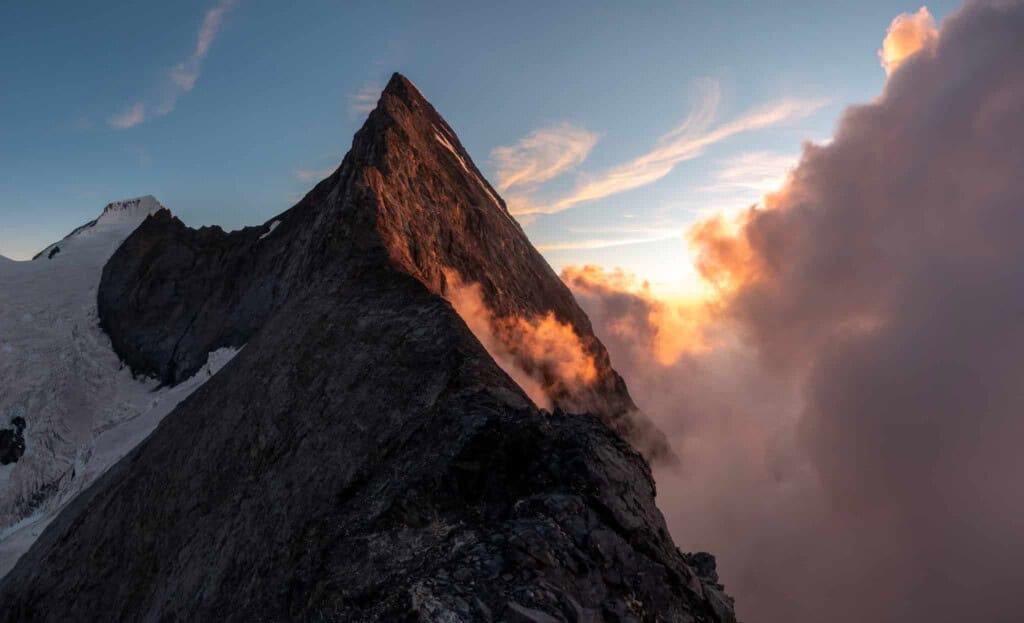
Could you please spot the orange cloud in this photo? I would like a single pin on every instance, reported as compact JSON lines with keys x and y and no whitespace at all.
{"x":667,"y":330}
{"x":724,"y":256}
{"x":549,"y":347}
{"x":908,"y":33}
{"x":544,"y":356}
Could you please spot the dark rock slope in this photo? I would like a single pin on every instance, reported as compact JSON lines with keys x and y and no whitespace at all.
{"x":363,"y":458}
{"x":12,"y":441}
{"x":172,"y":294}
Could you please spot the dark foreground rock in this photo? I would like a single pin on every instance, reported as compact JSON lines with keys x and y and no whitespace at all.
{"x":363,"y":458}
{"x":12,"y":442}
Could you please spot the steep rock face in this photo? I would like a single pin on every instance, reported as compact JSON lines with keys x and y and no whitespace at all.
{"x":171,"y":295}
{"x":363,"y":458}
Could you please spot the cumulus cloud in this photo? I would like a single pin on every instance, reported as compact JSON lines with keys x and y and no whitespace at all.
{"x":743,"y":488}
{"x":849,"y":432}
{"x":182,"y":77}
{"x":908,"y":33}
{"x":541,"y":156}
{"x":683,"y":143}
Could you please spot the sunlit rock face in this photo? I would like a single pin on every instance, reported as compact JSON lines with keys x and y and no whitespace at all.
{"x":365,"y":457}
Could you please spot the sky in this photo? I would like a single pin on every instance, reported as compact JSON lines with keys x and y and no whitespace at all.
{"x":228,"y":111}
{"x":796,"y":226}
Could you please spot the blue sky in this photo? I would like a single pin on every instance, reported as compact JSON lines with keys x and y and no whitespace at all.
{"x":237,"y":108}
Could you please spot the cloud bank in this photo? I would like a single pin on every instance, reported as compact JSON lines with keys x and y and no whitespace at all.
{"x":182,"y":77}
{"x":848,"y":410}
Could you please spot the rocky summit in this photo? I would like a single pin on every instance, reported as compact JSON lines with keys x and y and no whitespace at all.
{"x":364,"y":457}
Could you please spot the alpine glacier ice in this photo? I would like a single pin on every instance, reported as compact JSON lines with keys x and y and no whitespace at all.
{"x":82,"y":409}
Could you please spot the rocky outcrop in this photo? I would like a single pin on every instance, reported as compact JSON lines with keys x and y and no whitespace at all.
{"x":363,"y":458}
{"x":171,"y":294}
{"x":12,"y":441}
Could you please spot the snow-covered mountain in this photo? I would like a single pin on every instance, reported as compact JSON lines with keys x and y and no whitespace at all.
{"x":68,"y":408}
{"x":118,"y":219}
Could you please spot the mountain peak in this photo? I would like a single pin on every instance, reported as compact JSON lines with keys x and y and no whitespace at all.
{"x":401,"y":87}
{"x":401,"y":101}
{"x":123,"y":215}
{"x":407,"y":195}
{"x":370,"y":435}
{"x":437,"y":216}
{"x":133,"y":209}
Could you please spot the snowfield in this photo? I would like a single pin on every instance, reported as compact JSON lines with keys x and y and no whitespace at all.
{"x":83,"y":410}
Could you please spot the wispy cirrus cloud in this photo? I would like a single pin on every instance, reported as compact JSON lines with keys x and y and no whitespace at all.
{"x":185,"y":73}
{"x":309,"y":175}
{"x":605,"y":243}
{"x":363,"y":101}
{"x":182,"y":77}
{"x":585,"y":238}
{"x":683,"y":143}
{"x":129,"y":117}
{"x":759,"y":171}
{"x":541,"y":156}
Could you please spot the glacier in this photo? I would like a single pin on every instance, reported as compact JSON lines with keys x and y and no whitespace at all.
{"x":82,"y":408}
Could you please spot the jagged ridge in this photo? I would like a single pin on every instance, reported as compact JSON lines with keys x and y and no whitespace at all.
{"x":364,"y":458}
{"x":424,"y":204}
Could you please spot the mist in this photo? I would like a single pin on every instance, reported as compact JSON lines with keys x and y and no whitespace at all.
{"x":847,"y":408}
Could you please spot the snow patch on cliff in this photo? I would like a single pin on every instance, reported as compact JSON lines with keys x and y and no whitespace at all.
{"x":483,"y":185}
{"x":270,"y":229}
